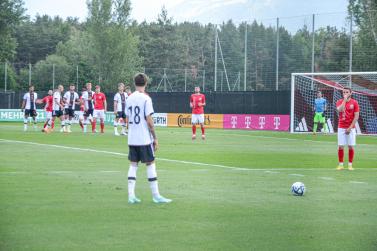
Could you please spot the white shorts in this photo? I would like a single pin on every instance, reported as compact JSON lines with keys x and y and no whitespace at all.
{"x":48,"y":115}
{"x":346,"y":139}
{"x":99,"y":114}
{"x":197,"y":119}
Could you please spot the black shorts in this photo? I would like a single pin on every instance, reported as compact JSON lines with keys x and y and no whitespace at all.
{"x":57,"y":113}
{"x":88,"y":113}
{"x":31,"y":113}
{"x":120,"y":115}
{"x":145,"y":154}
{"x":70,"y":112}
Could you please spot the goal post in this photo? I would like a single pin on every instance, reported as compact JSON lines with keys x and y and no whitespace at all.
{"x":304,"y":87}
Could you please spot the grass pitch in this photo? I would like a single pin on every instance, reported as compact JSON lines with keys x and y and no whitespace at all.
{"x":230,"y":192}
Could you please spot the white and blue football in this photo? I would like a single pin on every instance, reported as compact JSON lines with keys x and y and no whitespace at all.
{"x":298,"y":189}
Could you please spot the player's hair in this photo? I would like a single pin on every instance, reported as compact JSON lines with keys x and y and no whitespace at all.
{"x":72,"y":85}
{"x":141,"y":79}
{"x":88,"y":84}
{"x":83,"y":88}
{"x":120,"y":84}
{"x":347,"y":88}
{"x":31,"y":86}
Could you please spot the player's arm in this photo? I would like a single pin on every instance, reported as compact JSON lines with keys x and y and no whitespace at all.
{"x":78,"y":101}
{"x":23,"y":104}
{"x":355,"y":119}
{"x":204,"y":101}
{"x":191,"y":103}
{"x":150,"y":123}
{"x":105,"y":105}
{"x":115,"y":106}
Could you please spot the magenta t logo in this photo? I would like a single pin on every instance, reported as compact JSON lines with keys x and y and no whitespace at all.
{"x":247,"y":121}
{"x":233,"y":121}
{"x":276,"y":122}
{"x":262,"y":122}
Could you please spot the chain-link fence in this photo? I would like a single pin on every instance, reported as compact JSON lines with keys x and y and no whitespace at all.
{"x":257,"y":56}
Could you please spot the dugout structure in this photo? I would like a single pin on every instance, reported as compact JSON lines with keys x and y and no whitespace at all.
{"x":304,"y":87}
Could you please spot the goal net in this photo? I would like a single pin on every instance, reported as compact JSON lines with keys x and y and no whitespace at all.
{"x":304,"y":87}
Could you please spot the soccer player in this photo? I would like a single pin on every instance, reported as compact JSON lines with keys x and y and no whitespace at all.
{"x":348,"y":109}
{"x":320,"y":106}
{"x":48,"y":101}
{"x":82,"y":110}
{"x":28,"y":103}
{"x":120,"y":110}
{"x":142,"y":139}
{"x":87,"y":97}
{"x":197,"y":103}
{"x":71,"y":98}
{"x":58,"y":107}
{"x":100,"y":107}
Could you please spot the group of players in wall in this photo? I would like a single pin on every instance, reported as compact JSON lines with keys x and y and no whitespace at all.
{"x":93,"y":106}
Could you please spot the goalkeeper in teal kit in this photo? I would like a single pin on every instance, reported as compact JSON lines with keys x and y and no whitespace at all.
{"x":320,"y":105}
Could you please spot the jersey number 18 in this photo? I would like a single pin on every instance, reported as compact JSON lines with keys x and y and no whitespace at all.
{"x":136,"y":115}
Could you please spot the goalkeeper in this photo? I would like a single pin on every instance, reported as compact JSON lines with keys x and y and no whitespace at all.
{"x":320,"y":105}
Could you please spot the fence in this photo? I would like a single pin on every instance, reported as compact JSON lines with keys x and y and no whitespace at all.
{"x":257,"y":56}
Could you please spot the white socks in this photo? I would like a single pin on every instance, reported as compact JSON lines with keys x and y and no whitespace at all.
{"x":152,"y":178}
{"x":132,"y":179}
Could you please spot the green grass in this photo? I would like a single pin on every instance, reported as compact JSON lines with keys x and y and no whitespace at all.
{"x":55,"y":198}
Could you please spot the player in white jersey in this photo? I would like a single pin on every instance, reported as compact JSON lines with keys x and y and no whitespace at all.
{"x":87,"y":99}
{"x":142,"y":139}
{"x":28,"y":103}
{"x":58,"y":106}
{"x":120,"y":110}
{"x":71,"y":98}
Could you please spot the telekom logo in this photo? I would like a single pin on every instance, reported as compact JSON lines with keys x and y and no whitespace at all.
{"x":233,"y":121}
{"x":247,"y":121}
{"x":276,"y":122}
{"x":262,"y":122}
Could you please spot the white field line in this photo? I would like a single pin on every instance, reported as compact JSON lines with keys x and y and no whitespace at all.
{"x":326,"y":178}
{"x":358,"y":182}
{"x":173,"y":160}
{"x":296,"y":174}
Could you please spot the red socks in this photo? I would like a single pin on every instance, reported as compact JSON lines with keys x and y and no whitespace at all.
{"x":340,"y":154}
{"x":102,"y":126}
{"x":351,"y":153}
{"x":202,"y":127}
{"x":44,"y":126}
{"x":93,"y":125}
{"x":193,"y":129}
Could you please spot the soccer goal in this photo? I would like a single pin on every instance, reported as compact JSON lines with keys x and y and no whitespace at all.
{"x":304,"y":87}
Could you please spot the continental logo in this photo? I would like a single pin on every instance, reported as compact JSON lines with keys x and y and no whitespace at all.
{"x":183,"y":120}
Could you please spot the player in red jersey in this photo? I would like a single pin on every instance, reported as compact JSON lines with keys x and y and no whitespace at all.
{"x":197,"y":103}
{"x":100,"y":107}
{"x":48,"y":101}
{"x":348,"y":109}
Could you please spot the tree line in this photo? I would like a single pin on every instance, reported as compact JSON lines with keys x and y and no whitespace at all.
{"x":109,"y":47}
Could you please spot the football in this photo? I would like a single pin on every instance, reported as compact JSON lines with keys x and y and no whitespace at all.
{"x":298,"y":189}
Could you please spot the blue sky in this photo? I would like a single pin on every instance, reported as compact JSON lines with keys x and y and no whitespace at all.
{"x":214,"y":11}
